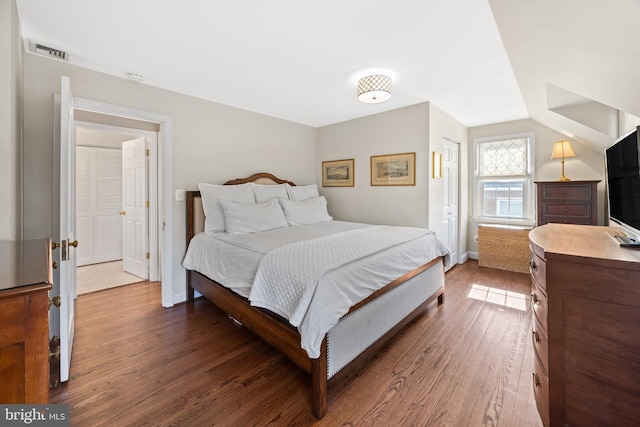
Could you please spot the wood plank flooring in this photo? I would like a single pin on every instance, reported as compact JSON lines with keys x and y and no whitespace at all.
{"x":467,"y":362}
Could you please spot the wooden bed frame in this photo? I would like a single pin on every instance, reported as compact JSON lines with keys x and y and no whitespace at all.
{"x":275,"y":330}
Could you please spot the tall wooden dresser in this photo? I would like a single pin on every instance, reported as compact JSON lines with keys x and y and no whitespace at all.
{"x":567,"y":202}
{"x":25,"y":280}
{"x":585,"y":299}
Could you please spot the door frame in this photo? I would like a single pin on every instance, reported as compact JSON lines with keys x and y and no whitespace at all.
{"x":458,"y":259}
{"x":163,"y":180}
{"x":154,"y":273}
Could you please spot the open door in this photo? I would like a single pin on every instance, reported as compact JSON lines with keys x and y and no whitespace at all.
{"x":135,"y":207}
{"x":64,"y":277}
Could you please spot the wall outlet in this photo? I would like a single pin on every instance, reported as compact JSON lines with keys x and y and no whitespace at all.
{"x":180,"y":195}
{"x":475,"y":238}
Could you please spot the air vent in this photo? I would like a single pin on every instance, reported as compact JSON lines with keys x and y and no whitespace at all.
{"x":49,"y":51}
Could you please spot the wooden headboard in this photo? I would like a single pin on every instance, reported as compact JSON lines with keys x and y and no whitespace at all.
{"x":195,"y":212}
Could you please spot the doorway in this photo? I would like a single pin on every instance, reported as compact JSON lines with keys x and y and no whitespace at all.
{"x":101,"y":224}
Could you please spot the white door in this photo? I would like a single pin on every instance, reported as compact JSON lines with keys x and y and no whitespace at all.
{"x":135,"y":207}
{"x":450,"y":197}
{"x":64,"y":278}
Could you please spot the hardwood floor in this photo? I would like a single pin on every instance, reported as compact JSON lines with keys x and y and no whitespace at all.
{"x":467,"y":362}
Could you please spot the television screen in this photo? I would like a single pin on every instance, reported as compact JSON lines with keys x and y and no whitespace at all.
{"x":623,"y":180}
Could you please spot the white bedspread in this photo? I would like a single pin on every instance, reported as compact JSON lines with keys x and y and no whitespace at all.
{"x":233,"y":261}
{"x":287,"y":276}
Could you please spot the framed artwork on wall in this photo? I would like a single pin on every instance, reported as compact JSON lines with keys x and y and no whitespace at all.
{"x":393,"y":169}
{"x":338,"y":173}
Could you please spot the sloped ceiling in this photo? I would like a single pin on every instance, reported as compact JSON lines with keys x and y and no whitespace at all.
{"x":587,"y":50}
{"x":481,"y":61}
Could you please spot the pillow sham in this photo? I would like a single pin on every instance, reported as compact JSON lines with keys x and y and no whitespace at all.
{"x":243,"y":218}
{"x":265,"y":192}
{"x":302,"y":192}
{"x":212,"y":193}
{"x":303,"y":212}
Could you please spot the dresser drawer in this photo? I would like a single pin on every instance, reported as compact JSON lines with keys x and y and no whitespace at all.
{"x":566,"y":191}
{"x":541,"y":391}
{"x":538,"y":268}
{"x":566,"y":210}
{"x":540,"y":343}
{"x":539,"y":305}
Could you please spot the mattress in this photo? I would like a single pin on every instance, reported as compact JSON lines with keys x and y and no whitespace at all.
{"x":233,"y":260}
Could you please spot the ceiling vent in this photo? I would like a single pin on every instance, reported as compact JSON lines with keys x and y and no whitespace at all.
{"x":52,"y":52}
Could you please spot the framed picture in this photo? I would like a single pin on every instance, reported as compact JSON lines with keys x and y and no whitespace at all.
{"x":393,"y":169}
{"x":337,"y":173}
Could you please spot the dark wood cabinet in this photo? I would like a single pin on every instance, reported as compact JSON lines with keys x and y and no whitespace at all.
{"x":24,"y":320}
{"x":585,"y":301}
{"x":567,"y":202}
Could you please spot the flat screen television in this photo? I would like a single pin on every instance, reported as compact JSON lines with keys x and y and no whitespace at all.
{"x":622,"y":162}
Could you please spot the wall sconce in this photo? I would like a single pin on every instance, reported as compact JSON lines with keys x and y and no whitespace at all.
{"x":562,"y":149}
{"x":436,"y":164}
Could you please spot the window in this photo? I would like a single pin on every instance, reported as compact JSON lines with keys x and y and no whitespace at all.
{"x":504,"y":178}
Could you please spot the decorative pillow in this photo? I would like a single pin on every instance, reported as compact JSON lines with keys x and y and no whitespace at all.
{"x":243,"y":218}
{"x":212,"y":193}
{"x":302,"y":192}
{"x":310,"y":211}
{"x":264,"y":192}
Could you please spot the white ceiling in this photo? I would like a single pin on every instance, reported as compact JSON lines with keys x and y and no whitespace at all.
{"x":300,"y":62}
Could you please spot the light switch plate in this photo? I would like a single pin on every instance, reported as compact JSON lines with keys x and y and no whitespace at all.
{"x":180,"y":195}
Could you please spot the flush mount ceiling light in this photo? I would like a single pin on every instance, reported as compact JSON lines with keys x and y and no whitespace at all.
{"x":374,"y":89}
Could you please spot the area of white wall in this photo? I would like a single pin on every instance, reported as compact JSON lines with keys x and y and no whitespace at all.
{"x":211,"y":142}
{"x":398,"y":131}
{"x":443,"y":126}
{"x":10,"y":122}
{"x":587,"y":165}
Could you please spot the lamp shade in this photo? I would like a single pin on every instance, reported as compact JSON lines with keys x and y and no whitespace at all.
{"x":374,"y":89}
{"x":562,"y":149}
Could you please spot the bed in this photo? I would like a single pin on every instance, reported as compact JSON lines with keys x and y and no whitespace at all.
{"x":379,"y":291}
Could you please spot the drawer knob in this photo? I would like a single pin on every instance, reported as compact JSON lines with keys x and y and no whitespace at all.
{"x":536,"y":337}
{"x":565,"y":210}
{"x":536,"y":380}
{"x":565,"y":192}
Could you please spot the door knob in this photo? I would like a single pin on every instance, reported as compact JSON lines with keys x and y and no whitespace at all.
{"x":55,"y":245}
{"x":74,"y":243}
{"x":123,"y":213}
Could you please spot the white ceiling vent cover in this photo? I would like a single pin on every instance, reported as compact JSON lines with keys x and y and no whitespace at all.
{"x":52,"y":52}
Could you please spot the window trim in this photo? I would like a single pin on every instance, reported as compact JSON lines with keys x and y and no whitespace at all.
{"x":529,"y":196}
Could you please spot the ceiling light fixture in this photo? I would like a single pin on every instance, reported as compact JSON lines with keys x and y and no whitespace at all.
{"x":374,"y":89}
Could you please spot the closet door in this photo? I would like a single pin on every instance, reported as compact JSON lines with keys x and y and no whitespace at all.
{"x":84,"y":204}
{"x":108,"y":203}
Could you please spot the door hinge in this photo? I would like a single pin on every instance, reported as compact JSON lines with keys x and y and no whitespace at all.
{"x":146,"y":152}
{"x":146,"y":204}
{"x":147,"y":256}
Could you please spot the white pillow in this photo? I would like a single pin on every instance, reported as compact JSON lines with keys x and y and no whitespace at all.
{"x":265,"y":192}
{"x":212,"y":193}
{"x":310,"y":211}
{"x":302,"y":192}
{"x":243,"y":218}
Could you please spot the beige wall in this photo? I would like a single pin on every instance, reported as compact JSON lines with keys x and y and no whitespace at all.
{"x":211,"y":142}
{"x":443,"y":126}
{"x":10,"y":122}
{"x":397,"y":131}
{"x":420,"y":128}
{"x":587,"y":165}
